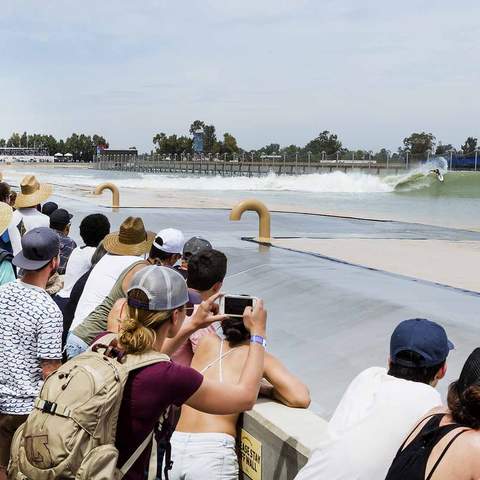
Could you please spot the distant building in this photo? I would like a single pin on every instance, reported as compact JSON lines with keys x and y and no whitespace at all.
{"x":25,"y":155}
{"x":109,"y":155}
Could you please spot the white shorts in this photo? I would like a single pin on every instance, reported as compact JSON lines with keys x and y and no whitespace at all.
{"x":203,"y":456}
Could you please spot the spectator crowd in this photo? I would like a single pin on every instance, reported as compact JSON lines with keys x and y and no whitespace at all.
{"x":117,"y":362}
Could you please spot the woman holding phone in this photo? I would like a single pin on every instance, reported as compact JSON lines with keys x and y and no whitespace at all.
{"x":203,"y":445}
{"x":156,"y":310}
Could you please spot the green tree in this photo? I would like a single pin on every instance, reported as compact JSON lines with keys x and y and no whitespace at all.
{"x":229,"y":144}
{"x":209,"y":139}
{"x":3,"y":142}
{"x":271,"y":149}
{"x":470,"y":145}
{"x":325,"y":142}
{"x":196,"y":126}
{"x":443,"y":149}
{"x":170,"y":145}
{"x":14,"y":140}
{"x":290,"y":151}
{"x":419,"y":143}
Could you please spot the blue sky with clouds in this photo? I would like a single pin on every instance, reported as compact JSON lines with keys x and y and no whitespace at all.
{"x":265,"y":70}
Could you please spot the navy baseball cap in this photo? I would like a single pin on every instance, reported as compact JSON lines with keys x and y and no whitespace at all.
{"x":423,"y":337}
{"x":60,"y":217}
{"x":49,"y":207}
{"x":39,"y":246}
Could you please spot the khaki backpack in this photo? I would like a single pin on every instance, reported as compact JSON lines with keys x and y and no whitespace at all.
{"x":70,"y":434}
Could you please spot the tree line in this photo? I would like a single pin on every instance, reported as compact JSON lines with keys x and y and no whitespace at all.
{"x":82,"y":147}
{"x":325,"y":143}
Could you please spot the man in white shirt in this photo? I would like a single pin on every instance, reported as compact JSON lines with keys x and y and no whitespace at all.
{"x":380,"y":408}
{"x":124,"y":248}
{"x":32,"y":194}
{"x":93,"y":230}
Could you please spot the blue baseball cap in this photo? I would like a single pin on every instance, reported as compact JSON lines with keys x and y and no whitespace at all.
{"x":423,"y":337}
{"x":39,"y":246}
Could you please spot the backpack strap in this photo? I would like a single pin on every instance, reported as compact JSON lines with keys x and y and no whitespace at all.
{"x":135,"y":455}
{"x":130,"y":362}
{"x":5,"y":255}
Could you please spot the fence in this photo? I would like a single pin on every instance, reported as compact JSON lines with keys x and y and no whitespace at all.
{"x":253,"y":164}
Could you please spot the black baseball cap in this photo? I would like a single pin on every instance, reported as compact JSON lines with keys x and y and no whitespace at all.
{"x":39,"y":246}
{"x":60,"y":217}
{"x":195,"y":245}
{"x":423,"y":337}
{"x":49,"y":207}
{"x":470,"y":372}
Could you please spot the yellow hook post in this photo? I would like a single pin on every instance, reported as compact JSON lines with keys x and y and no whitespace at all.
{"x":115,"y":193}
{"x":253,"y":205}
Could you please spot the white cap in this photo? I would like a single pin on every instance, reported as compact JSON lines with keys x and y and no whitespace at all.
{"x":169,"y":240}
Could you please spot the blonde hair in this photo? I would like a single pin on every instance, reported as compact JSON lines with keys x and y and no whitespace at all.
{"x":138,"y":329}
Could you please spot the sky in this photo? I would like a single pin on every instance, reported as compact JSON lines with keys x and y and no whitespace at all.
{"x":266,"y":71}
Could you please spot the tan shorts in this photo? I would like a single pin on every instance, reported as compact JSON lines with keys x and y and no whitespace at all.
{"x":8,"y":427}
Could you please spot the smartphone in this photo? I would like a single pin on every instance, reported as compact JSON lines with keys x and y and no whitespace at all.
{"x":234,"y":305}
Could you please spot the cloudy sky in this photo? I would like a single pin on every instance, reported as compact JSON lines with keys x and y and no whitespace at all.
{"x":264,"y":70}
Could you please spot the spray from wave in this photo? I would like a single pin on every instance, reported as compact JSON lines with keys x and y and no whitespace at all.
{"x":335,"y":182}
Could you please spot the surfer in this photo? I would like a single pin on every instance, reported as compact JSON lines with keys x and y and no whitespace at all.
{"x":437,"y":173}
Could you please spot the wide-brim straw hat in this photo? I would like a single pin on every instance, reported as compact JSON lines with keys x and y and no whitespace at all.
{"x":32,"y":192}
{"x":5,"y":216}
{"x":131,"y":239}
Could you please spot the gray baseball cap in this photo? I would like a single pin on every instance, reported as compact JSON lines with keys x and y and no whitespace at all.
{"x":195,"y":245}
{"x":165,"y":289}
{"x":39,"y":246}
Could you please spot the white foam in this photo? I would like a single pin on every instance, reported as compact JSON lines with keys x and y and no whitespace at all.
{"x":335,"y":182}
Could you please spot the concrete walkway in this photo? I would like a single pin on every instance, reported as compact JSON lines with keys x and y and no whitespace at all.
{"x":327,"y":320}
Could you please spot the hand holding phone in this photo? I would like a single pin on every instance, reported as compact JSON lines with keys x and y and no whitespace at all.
{"x":234,"y":305}
{"x":255,"y":319}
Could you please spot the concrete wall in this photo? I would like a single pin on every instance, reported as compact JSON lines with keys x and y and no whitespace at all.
{"x":278,"y":440}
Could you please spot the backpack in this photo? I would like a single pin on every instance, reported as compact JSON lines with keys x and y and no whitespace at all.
{"x":70,"y":433}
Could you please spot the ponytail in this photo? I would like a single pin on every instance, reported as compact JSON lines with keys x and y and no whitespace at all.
{"x":138,"y":329}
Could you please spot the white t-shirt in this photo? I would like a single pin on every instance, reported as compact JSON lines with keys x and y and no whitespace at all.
{"x":30,"y":329}
{"x":368,"y":427}
{"x":79,"y":263}
{"x":14,"y":235}
{"x":31,"y":217}
{"x":99,"y":283}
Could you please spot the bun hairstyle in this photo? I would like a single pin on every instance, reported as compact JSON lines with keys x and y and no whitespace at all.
{"x":464,"y":394}
{"x":234,"y":330}
{"x":138,"y":329}
{"x":465,"y":406}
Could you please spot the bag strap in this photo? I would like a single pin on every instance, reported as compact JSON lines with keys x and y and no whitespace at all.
{"x":131,"y":362}
{"x":135,"y":455}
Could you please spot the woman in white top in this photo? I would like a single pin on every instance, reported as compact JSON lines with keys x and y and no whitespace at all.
{"x":203,"y":446}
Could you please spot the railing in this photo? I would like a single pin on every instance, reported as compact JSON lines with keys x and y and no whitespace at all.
{"x":286,"y":164}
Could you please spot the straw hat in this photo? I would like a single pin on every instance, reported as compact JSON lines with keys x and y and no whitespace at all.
{"x":131,"y":239}
{"x":32,"y":192}
{"x":5,"y":216}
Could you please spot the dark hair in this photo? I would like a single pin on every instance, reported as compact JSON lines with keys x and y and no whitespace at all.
{"x":156,"y":253}
{"x":4,"y":192}
{"x":205,"y":269}
{"x":98,"y":254}
{"x":234,"y":330}
{"x":94,"y":228}
{"x":415,"y":374}
{"x":465,"y":406}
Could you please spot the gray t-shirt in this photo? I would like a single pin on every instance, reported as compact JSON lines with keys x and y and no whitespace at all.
{"x":30,"y":330}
